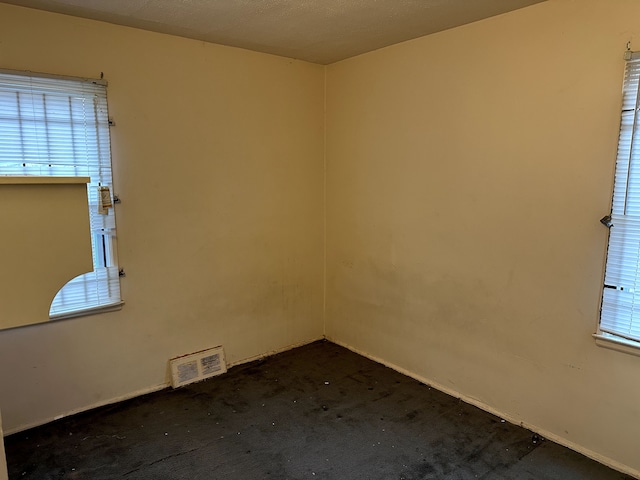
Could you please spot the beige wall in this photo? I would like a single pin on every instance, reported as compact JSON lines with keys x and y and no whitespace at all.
{"x":467,"y":172}
{"x":218,"y":160}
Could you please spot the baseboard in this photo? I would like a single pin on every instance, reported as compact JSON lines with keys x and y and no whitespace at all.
{"x":147,"y":390}
{"x":110,"y":401}
{"x":511,"y":419}
{"x":470,"y":400}
{"x":270,"y":353}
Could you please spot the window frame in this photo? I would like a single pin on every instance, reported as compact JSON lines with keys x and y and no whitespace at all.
{"x":619,"y":286}
{"x":97,"y":291}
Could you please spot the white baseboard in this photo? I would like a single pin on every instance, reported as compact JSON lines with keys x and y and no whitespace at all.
{"x":270,"y":353}
{"x":511,"y":419}
{"x":110,"y":401}
{"x":473,"y":401}
{"x":144,"y":391}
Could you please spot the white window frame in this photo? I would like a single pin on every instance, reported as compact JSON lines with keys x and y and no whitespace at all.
{"x":619,"y":326}
{"x":59,"y":126}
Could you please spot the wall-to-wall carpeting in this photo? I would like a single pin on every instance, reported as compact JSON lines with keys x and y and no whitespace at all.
{"x":315,"y":412}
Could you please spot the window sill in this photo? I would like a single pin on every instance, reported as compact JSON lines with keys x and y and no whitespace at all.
{"x":38,"y":180}
{"x":618,"y":344}
{"x":88,"y":311}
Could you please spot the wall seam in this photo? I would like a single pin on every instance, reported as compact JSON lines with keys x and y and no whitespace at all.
{"x":324,"y":207}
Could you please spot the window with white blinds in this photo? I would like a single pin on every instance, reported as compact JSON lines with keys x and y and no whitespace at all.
{"x":58,"y":126}
{"x":620,"y":312}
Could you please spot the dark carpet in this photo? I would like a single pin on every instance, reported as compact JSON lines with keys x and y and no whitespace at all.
{"x":315,"y":412}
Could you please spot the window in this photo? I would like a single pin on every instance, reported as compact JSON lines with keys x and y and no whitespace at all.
{"x":620,"y":311}
{"x":58,"y":126}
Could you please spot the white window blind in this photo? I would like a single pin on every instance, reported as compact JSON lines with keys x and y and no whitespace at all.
{"x":620,"y":313}
{"x":55,"y":126}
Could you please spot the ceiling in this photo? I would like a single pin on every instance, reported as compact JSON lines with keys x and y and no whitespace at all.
{"x":318,"y":31}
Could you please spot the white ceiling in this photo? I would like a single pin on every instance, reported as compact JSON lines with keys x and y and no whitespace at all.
{"x":319,"y":31}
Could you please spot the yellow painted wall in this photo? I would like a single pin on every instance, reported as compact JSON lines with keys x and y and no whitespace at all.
{"x":218,"y":160}
{"x":467,"y":171}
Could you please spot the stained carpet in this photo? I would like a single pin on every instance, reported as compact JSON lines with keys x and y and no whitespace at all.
{"x":315,"y":412}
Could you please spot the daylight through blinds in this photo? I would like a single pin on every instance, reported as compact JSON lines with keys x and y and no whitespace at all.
{"x":620,"y":315}
{"x":52,"y":126}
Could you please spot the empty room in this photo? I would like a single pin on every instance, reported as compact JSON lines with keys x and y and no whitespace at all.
{"x":404,"y":226}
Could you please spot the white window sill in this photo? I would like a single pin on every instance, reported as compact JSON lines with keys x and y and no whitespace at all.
{"x":40,"y":180}
{"x":89,"y":311}
{"x":617,"y":343}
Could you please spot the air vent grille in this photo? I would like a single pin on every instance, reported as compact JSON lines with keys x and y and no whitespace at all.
{"x":197,"y":366}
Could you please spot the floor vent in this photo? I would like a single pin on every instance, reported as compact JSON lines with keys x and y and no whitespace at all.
{"x":197,"y":366}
